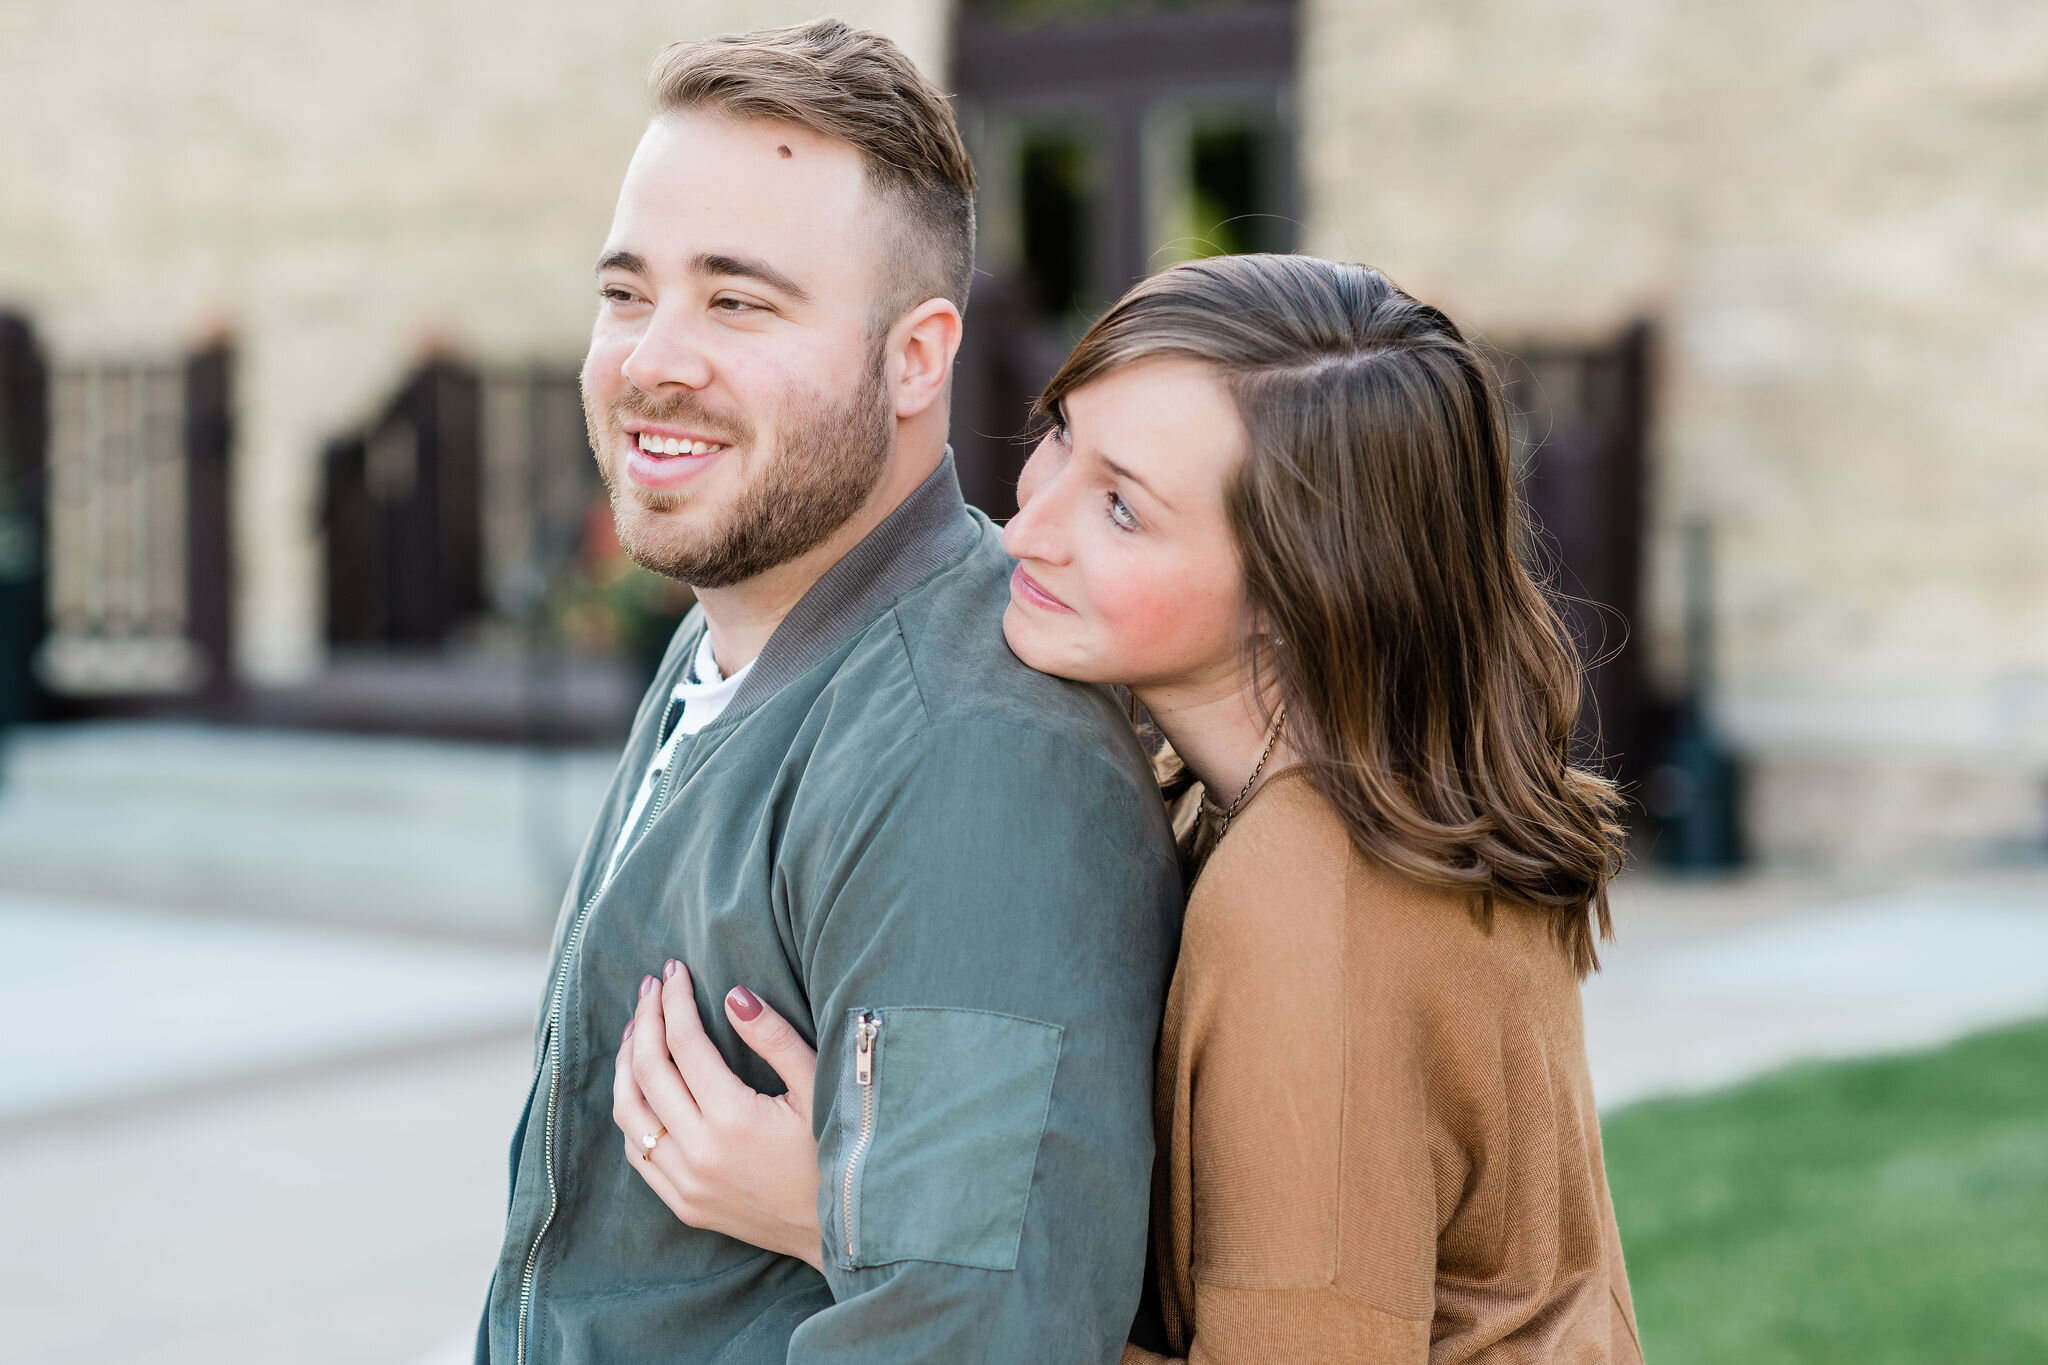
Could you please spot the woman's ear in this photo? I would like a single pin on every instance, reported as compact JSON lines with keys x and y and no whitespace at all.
{"x":1267,"y":647}
{"x":925,"y":340}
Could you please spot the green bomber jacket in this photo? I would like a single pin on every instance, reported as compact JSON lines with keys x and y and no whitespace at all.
{"x":914,"y":847}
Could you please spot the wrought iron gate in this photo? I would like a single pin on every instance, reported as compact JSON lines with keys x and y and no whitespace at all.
{"x":137,"y":548}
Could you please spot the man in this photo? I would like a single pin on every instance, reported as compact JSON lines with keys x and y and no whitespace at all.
{"x":952,"y":874}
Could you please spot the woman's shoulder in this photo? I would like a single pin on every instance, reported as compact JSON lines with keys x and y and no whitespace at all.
{"x":1278,"y":878}
{"x":1289,"y":878}
{"x":1290,"y":847}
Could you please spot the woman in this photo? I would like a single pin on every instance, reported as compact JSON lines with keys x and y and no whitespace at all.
{"x":1277,"y":503}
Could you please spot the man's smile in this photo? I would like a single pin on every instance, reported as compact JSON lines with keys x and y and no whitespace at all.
{"x":665,"y":458}
{"x":660,"y":441}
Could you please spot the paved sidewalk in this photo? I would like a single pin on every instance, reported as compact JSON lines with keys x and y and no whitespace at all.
{"x":1708,"y":986}
{"x":240,"y":1142}
{"x":344,"y":1217}
{"x":229,"y":1141}
{"x":123,"y":1001}
{"x":474,"y":840}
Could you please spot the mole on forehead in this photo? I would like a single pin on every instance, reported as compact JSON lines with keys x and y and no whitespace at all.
{"x":786,"y":153}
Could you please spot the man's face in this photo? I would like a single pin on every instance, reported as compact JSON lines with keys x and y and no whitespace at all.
{"x":735,"y":388}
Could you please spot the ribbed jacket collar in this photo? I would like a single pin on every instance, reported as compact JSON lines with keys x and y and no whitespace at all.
{"x":927,"y":531}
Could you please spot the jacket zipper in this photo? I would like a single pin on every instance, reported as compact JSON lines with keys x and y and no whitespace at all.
{"x":865,"y":1029}
{"x":552,"y":1059}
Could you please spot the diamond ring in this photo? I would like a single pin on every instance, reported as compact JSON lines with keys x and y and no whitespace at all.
{"x":647,"y":1141}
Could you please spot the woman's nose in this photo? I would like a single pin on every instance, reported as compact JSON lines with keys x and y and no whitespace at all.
{"x":1034,"y":532}
{"x":1028,"y":482}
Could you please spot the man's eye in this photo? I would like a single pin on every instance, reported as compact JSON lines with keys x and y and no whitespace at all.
{"x":726,"y":303}
{"x":1121,"y":514}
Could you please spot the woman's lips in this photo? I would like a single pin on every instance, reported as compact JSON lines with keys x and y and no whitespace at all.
{"x":1030,"y":593}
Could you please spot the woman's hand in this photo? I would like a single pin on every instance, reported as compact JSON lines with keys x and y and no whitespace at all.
{"x":732,"y":1160}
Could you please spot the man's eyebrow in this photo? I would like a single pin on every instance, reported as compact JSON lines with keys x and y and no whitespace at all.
{"x":1113,"y":467}
{"x":751,"y":268}
{"x":715,"y":263}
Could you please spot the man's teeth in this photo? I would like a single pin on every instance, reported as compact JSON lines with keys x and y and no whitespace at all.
{"x":669,"y":445}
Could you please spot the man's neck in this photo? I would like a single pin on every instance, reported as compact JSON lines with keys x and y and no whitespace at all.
{"x":741,"y":618}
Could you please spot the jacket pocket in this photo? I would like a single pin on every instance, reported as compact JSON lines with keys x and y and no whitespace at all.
{"x":939,"y":1113}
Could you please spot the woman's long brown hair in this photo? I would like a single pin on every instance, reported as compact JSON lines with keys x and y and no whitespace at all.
{"x":1431,"y":689}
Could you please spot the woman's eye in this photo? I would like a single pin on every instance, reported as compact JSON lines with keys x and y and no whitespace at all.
{"x":615,"y":294}
{"x":1120,"y":513}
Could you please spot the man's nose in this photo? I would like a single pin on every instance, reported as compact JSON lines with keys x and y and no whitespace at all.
{"x":667,"y":353}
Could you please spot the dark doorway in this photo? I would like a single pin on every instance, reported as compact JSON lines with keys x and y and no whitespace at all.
{"x":209,"y":490}
{"x":24,"y":429}
{"x":1581,"y":418}
{"x":402,"y":516}
{"x":1111,"y":139}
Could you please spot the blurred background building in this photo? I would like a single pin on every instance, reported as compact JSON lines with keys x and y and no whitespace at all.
{"x":294,"y":299}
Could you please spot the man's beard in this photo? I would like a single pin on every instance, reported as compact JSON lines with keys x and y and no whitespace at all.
{"x":832,"y":457}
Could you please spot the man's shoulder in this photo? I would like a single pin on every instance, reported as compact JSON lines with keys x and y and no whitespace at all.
{"x":943,"y":641}
{"x":953,"y":636}
{"x":935,"y":674}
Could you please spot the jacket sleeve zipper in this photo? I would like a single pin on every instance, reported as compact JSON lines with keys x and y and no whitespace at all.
{"x":865,"y":1030}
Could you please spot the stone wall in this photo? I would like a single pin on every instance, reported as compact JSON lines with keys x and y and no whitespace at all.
{"x":345,"y":186}
{"x":1838,"y":216}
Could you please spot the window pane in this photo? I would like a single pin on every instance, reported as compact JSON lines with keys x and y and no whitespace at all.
{"x":1210,"y":181}
{"x":1223,"y":176}
{"x":1057,"y":221}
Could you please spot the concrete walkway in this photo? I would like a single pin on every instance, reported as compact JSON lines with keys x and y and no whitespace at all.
{"x":430,"y":836}
{"x":125,"y":1002}
{"x":230,"y":1141}
{"x":343,"y":1217}
{"x":276,"y":1131}
{"x":1689,"y":1007}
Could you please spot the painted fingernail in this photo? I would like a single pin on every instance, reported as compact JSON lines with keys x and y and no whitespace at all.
{"x":744,"y":1003}
{"x":646,"y":985}
{"x":668,"y":973}
{"x":628,"y":1033}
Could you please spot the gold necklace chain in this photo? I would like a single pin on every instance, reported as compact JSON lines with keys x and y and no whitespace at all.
{"x":1272,"y":738}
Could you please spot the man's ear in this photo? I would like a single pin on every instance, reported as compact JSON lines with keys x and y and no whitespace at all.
{"x":924,"y":342}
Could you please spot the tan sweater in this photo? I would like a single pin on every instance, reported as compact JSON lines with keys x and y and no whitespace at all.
{"x":1376,"y":1130}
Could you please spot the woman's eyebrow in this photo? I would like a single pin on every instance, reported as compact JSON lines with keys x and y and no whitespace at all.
{"x":1113,"y":467}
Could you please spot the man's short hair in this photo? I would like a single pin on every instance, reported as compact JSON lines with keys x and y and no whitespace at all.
{"x":857,"y":87}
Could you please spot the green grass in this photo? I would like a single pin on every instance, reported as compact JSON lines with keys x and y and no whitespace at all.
{"x":1871,"y":1212}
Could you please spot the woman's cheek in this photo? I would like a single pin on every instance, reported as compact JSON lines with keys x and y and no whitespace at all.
{"x":1154,"y":624}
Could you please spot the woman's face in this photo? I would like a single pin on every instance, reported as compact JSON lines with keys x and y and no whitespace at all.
{"x":1126,"y":568}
